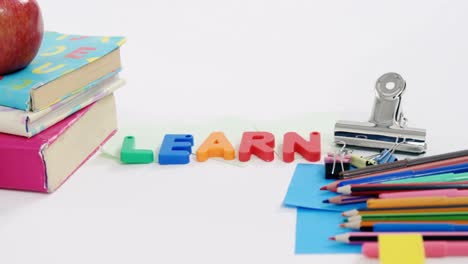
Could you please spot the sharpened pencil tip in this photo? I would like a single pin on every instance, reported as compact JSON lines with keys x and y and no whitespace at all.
{"x":326,"y":201}
{"x":323,"y":188}
{"x":332,"y":238}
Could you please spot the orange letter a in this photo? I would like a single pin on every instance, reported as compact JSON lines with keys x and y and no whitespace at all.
{"x":216,"y":145}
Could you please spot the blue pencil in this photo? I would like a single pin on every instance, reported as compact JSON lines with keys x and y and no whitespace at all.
{"x":459,"y":168}
{"x":411,"y":227}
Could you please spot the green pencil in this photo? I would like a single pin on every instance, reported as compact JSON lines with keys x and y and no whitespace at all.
{"x":446,"y":177}
{"x":435,"y":216}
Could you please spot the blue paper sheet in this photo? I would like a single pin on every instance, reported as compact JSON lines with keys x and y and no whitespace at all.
{"x":304,"y":190}
{"x":314,"y":227}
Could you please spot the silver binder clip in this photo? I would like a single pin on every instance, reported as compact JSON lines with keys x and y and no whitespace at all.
{"x":387,"y":125}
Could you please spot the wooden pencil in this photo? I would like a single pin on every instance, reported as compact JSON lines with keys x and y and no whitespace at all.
{"x":403,"y":164}
{"x":378,"y":188}
{"x":359,"y":224}
{"x":346,"y":199}
{"x":452,"y":208}
{"x":435,"y":216}
{"x":333,"y":186}
{"x":361,"y":237}
{"x":416,"y":202}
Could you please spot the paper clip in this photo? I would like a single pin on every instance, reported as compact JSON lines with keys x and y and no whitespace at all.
{"x":342,"y":157}
{"x":387,"y":155}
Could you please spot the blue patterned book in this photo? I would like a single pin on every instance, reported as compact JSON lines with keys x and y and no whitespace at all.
{"x":64,"y":66}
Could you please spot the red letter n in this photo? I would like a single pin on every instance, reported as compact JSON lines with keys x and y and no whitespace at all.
{"x":310,"y":150}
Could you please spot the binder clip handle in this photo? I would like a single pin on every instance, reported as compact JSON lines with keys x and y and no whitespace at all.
{"x":387,"y":104}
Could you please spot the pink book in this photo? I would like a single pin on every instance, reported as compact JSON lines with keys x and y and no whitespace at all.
{"x":42,"y":163}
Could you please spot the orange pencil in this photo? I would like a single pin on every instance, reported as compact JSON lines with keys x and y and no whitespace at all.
{"x":415,"y":202}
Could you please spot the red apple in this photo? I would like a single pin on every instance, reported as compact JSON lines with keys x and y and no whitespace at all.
{"x":21,"y":31}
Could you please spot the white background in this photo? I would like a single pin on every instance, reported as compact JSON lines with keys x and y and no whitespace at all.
{"x":198,"y":60}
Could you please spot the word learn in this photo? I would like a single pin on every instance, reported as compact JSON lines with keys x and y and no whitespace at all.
{"x":177,"y":148}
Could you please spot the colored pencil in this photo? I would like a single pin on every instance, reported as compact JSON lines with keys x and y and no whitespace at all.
{"x":432,"y":249}
{"x":362,"y":237}
{"x":444,"y":177}
{"x":426,"y":193}
{"x":453,"y":208}
{"x":414,"y":227}
{"x":416,"y":202}
{"x":332,"y":186}
{"x":345,"y":199}
{"x":360,"y":224}
{"x":458,"y":168}
{"x":378,"y":188}
{"x":438,"y":216}
{"x":404,"y":163}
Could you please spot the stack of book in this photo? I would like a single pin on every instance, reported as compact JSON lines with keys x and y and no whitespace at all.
{"x":58,"y":111}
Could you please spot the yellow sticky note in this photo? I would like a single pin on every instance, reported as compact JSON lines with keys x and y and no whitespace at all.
{"x":401,"y":249}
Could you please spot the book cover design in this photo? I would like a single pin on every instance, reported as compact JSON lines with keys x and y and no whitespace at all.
{"x":59,"y":54}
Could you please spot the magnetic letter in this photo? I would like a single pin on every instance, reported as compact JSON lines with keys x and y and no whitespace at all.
{"x":130,"y":155}
{"x":216,"y":145}
{"x":261,"y":144}
{"x":176,"y":149}
{"x":310,"y":150}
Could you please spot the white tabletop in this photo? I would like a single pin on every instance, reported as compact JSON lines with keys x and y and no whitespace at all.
{"x":249,"y":59}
